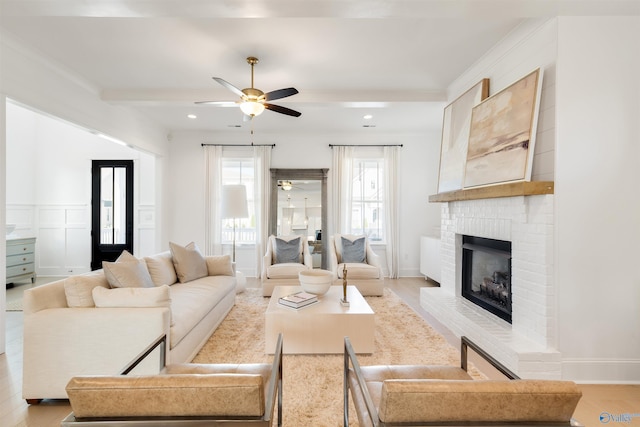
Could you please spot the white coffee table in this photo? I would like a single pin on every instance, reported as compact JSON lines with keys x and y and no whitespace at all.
{"x":321,"y":327}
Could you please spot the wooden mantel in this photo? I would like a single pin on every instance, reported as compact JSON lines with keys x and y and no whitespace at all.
{"x":512,"y":189}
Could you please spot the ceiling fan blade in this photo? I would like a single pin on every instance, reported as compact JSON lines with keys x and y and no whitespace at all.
{"x":280,"y":93}
{"x":229,"y":86}
{"x":221,"y":103}
{"x":282,"y":110}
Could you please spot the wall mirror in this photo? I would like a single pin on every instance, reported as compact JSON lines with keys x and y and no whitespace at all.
{"x":299,"y":207}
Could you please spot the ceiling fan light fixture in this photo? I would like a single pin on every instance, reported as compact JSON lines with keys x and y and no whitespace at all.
{"x":252,"y":108}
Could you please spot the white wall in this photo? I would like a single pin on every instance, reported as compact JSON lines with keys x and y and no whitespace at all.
{"x":587,"y":142}
{"x":3,"y":246}
{"x":49,"y":188}
{"x":597,"y":197}
{"x":418,"y":176}
{"x":32,"y":80}
{"x":531,"y":45}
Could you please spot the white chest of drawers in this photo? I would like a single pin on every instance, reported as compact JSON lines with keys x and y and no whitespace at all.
{"x":21,"y":259}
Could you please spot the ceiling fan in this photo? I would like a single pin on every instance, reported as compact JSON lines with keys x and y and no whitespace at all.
{"x":254,"y":101}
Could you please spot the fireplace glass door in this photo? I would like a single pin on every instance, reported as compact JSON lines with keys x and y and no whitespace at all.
{"x":486,"y":274}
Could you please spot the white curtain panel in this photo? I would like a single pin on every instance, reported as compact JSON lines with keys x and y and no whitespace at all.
{"x":262,"y":165}
{"x":212,"y":197}
{"x":392,"y":208}
{"x":342,"y":166}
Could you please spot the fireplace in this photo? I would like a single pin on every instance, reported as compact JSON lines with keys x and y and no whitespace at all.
{"x":486,"y":274}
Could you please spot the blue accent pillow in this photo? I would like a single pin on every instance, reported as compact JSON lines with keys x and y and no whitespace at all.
{"x":287,"y":251}
{"x":353,"y":251}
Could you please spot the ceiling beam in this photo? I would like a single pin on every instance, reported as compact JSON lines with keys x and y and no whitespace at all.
{"x":319,"y":8}
{"x":357,"y":98}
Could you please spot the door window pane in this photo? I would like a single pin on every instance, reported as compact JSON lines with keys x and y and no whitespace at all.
{"x":113,"y":205}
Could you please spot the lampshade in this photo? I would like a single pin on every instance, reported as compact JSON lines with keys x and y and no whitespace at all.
{"x":234,"y":202}
{"x":252,"y":108}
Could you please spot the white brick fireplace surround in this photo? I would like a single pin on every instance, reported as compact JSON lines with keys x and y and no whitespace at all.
{"x":526,"y":345}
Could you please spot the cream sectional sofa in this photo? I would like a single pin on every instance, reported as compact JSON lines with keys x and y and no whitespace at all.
{"x":96,"y":323}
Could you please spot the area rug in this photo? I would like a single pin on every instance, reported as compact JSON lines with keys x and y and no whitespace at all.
{"x":313,"y":384}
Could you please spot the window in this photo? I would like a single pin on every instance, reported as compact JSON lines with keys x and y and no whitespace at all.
{"x":240,"y":170}
{"x":367,"y":198}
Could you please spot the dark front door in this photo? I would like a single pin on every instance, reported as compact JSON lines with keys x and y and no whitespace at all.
{"x":111,"y":210}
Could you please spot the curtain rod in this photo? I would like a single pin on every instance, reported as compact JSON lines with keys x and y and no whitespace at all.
{"x":239,"y":145}
{"x":365,"y":145}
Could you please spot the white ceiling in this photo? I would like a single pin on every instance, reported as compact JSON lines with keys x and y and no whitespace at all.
{"x":393,"y":59}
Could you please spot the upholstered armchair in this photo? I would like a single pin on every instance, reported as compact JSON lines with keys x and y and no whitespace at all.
{"x":286,"y":256}
{"x":434,"y":395}
{"x":364,"y":268}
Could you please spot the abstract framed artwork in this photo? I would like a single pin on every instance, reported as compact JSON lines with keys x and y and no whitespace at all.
{"x":455,"y":136}
{"x":502,"y":134}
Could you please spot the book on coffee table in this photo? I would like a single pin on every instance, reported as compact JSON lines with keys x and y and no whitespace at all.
{"x":298,"y":299}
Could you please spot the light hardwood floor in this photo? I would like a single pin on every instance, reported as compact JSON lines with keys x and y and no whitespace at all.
{"x":597,"y":398}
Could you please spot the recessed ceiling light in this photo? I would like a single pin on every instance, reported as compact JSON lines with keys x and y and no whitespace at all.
{"x":192,"y":116}
{"x":367,"y":117}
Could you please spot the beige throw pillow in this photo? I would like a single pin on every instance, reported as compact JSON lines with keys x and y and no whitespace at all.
{"x":188,"y":261}
{"x":161,"y":269}
{"x":126,"y":256}
{"x":219,"y":265}
{"x":131,"y":273}
{"x":78,"y":288}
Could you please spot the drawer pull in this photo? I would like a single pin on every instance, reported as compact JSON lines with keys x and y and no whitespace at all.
{"x":24,"y":259}
{"x":24,"y":249}
{"x":24,"y":268}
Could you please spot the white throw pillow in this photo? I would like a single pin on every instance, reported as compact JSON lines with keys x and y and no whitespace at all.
{"x":219,"y":265}
{"x":188,"y":261}
{"x":129,"y":274}
{"x":161,"y":269}
{"x":78,"y":288}
{"x":158,"y":296}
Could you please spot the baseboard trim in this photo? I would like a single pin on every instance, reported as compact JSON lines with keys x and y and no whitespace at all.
{"x":602,"y":371}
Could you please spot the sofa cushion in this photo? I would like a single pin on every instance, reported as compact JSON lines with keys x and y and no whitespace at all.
{"x":190,"y":302}
{"x":161,"y":269}
{"x":353,"y":250}
{"x":285,"y":271}
{"x":219,"y":265}
{"x":188,"y":262}
{"x":127,"y":274}
{"x":287,"y":251}
{"x":78,"y":289}
{"x":359,"y":271}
